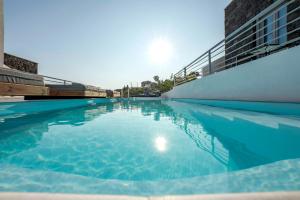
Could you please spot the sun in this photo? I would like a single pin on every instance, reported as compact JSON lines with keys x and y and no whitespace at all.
{"x":161,"y":144}
{"x":160,"y":50}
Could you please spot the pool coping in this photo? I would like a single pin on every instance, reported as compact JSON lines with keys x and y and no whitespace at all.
{"x":295,"y":195}
{"x":8,"y":99}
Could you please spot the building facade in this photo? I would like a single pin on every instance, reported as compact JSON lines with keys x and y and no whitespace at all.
{"x":256,"y":28}
{"x":238,"y":12}
{"x":262,"y":50}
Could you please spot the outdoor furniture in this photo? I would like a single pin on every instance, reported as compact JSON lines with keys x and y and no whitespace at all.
{"x":17,"y":83}
{"x":192,"y":76}
{"x":75,"y":90}
{"x":265,"y":49}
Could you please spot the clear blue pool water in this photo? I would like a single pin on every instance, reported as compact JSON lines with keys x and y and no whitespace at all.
{"x":148,"y":147}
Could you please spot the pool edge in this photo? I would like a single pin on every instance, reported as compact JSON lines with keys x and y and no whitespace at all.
{"x":293,"y":195}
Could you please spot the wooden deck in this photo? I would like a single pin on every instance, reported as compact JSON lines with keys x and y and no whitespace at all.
{"x":31,"y":92}
{"x":86,"y":93}
{"x":11,"y":89}
{"x":64,"y":94}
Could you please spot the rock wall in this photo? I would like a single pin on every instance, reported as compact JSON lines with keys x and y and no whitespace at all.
{"x":21,"y":64}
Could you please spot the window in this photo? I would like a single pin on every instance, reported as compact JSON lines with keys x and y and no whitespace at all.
{"x":275,"y":31}
{"x":269,"y":30}
{"x":282,"y":32}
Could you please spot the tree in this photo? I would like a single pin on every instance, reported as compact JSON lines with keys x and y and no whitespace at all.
{"x":138,"y":91}
{"x":156,"y":79}
{"x":165,"y":85}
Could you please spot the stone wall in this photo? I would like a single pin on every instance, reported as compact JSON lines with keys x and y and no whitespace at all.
{"x":21,"y":64}
{"x":238,"y":12}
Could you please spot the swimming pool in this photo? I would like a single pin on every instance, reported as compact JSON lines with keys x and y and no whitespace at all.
{"x":145,"y":147}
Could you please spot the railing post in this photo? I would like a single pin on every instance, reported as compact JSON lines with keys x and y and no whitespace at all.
{"x":184,"y":73}
{"x":128,"y":93}
{"x":209,"y":62}
{"x":174,"y":81}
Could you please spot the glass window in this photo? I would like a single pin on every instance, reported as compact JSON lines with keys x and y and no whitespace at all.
{"x":269,"y":30}
{"x":275,"y":27}
{"x":282,"y":31}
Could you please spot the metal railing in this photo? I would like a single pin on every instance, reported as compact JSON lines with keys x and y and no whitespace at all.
{"x":51,"y":81}
{"x":48,"y":80}
{"x":274,"y":29}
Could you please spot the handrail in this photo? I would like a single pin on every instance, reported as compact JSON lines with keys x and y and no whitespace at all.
{"x":262,"y":28}
{"x":276,"y":5}
{"x":248,"y":42}
{"x":261,"y":37}
{"x":54,"y":80}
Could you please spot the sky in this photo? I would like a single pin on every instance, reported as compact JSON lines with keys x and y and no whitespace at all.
{"x":112,"y":43}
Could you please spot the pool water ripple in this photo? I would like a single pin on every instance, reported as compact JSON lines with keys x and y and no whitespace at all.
{"x":155,"y":143}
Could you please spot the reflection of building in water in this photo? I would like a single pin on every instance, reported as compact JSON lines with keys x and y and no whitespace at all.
{"x":84,"y":114}
{"x":195,"y":131}
{"x":203,"y":140}
{"x":209,"y":143}
{"x":230,"y":136}
{"x":153,"y":108}
{"x":250,"y":138}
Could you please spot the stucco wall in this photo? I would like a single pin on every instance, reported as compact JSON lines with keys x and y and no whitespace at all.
{"x":275,"y":78}
{"x":1,"y":34}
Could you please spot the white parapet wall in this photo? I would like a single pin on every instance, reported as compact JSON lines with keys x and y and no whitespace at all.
{"x":274,"y":78}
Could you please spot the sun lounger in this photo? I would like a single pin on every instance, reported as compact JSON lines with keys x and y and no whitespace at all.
{"x":76,"y":90}
{"x":17,"y":83}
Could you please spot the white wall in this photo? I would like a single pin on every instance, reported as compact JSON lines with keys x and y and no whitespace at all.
{"x":1,"y":34}
{"x":274,"y":78}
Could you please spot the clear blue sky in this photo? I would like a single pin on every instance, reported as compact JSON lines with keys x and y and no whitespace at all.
{"x":106,"y":42}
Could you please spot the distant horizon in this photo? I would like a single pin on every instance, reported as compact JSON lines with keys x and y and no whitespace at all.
{"x":112,"y":43}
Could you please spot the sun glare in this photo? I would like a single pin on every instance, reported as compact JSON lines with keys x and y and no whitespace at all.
{"x":160,"y":50}
{"x":160,"y":144}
